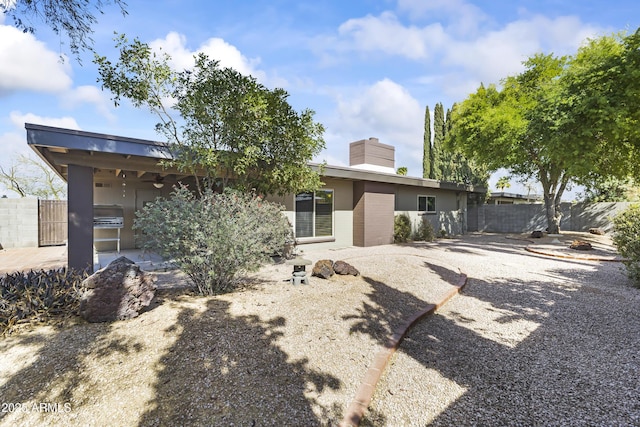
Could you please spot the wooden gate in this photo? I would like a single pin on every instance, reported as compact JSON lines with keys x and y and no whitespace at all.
{"x":52,"y":222}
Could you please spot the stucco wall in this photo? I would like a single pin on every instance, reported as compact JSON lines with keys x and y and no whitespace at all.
{"x":342,"y":214}
{"x":19,"y":223}
{"x":450,"y":214}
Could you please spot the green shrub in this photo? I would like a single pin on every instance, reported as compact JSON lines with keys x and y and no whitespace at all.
{"x":216,"y":238}
{"x":627,"y":239}
{"x":401,"y":228}
{"x":425,"y":231}
{"x":34,"y":295}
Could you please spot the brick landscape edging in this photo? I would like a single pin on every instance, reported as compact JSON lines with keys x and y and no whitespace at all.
{"x":363,"y":396}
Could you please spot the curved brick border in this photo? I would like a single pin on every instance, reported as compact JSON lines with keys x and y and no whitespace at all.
{"x":363,"y":396}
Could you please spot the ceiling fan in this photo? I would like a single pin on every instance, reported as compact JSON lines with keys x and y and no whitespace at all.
{"x":158,"y":181}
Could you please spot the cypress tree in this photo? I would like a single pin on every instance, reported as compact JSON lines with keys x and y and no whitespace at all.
{"x":426,"y":153}
{"x":438,"y":140}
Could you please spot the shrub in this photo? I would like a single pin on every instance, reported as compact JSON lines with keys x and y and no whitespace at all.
{"x":627,"y":239}
{"x":425,"y":231}
{"x":34,"y":295}
{"x":401,"y":228}
{"x":215,"y":238}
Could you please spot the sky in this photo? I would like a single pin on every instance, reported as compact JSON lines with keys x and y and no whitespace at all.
{"x":368,"y":68}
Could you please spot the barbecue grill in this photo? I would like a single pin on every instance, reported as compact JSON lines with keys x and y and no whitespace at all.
{"x":108,"y":217}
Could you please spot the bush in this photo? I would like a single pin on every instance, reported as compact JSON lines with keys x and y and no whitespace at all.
{"x":216,"y":238}
{"x":401,"y":228}
{"x":35,"y":295}
{"x":627,"y":239}
{"x":425,"y":231}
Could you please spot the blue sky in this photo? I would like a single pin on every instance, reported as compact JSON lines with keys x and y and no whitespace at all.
{"x":368,"y":68}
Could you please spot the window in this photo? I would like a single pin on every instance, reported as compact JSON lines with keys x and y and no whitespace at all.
{"x":314,"y":214}
{"x":427,"y":204}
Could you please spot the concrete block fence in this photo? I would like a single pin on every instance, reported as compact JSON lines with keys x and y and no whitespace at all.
{"x":528,"y":217}
{"x":18,"y":223}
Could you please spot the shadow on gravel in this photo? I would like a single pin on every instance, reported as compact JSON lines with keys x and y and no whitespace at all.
{"x":573,"y":363}
{"x":54,"y":380}
{"x":237,"y":377}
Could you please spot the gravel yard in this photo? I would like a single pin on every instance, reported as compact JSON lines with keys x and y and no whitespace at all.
{"x":532,"y":340}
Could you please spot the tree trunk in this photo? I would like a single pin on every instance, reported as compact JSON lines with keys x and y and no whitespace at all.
{"x":553,"y":214}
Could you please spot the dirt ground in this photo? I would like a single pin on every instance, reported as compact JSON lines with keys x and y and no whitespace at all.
{"x":269,"y":354}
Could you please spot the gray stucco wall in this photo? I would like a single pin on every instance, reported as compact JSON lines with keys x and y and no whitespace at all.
{"x":19,"y":223}
{"x":450,"y":214}
{"x":529,"y":217}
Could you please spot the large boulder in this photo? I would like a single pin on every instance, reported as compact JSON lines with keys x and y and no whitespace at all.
{"x":117,"y":292}
{"x":323,"y":269}
{"x":344,"y":268}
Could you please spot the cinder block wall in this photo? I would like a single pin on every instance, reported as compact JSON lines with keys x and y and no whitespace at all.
{"x":19,"y":223}
{"x":528,"y":217}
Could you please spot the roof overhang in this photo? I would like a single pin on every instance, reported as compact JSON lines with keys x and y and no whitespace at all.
{"x":60,"y":147}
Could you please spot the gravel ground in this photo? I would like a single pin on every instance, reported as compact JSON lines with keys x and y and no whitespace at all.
{"x":531,"y":341}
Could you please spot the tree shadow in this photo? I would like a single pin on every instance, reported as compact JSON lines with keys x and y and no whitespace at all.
{"x":56,"y":372}
{"x":236,"y":375}
{"x":551,"y":373}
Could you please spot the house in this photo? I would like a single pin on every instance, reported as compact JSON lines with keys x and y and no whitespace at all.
{"x":503,"y":198}
{"x":111,"y":177}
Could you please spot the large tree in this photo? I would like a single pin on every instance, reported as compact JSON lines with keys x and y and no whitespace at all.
{"x":426,"y":145}
{"x":232,"y":130}
{"x":27,"y":176}
{"x":75,"y":18}
{"x":550,"y":123}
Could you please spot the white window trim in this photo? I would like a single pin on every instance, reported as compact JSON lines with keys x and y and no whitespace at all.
{"x":435,"y":210}
{"x":313,"y":239}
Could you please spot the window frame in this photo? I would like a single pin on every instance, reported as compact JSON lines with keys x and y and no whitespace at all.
{"x":313,"y":237}
{"x":426,"y":211}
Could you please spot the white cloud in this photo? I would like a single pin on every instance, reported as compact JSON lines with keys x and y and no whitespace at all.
{"x":19,"y":119}
{"x":89,"y":95}
{"x":27,"y":64}
{"x":175,"y":45}
{"x":384,"y":110}
{"x":462,"y":17}
{"x":387,"y":34}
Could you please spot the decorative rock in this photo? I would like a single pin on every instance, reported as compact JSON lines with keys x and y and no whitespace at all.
{"x":598,"y":231}
{"x":117,"y":292}
{"x":323,"y":269}
{"x":343,"y":268}
{"x":537,"y":234}
{"x":581,"y":245}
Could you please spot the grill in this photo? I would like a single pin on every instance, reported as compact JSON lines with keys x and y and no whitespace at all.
{"x":109,"y":217}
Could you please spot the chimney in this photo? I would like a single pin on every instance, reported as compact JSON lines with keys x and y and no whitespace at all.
{"x":370,"y":154}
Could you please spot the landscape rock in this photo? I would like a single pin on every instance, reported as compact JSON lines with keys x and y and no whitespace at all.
{"x":598,"y":231}
{"x":117,"y":292}
{"x":323,"y":269}
{"x":344,"y":268}
{"x":581,"y":245}
{"x":537,"y":234}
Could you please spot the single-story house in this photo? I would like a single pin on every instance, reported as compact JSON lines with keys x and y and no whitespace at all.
{"x":110,"y":177}
{"x":503,"y":198}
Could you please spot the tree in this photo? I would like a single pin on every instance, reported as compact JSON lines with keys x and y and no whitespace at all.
{"x":75,"y":18}
{"x":426,"y":144}
{"x":233,"y":131}
{"x":438,"y":140}
{"x":29,"y":177}
{"x":503,"y":182}
{"x":402,"y":170}
{"x":550,"y":124}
